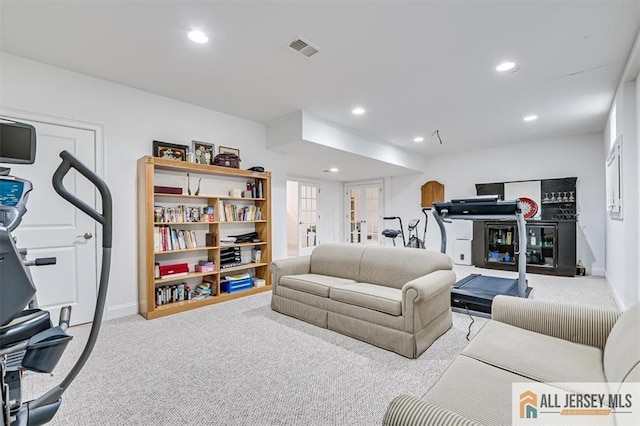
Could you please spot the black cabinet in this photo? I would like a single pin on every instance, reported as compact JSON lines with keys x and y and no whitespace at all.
{"x":551,"y":246}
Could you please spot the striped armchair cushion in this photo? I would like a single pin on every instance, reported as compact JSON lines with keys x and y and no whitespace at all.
{"x":410,"y":411}
{"x":576,"y":323}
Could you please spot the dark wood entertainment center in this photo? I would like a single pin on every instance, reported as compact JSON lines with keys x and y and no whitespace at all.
{"x":551,"y":238}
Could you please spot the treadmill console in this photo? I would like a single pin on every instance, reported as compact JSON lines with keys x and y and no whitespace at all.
{"x":13,"y":200}
{"x":477,"y":209}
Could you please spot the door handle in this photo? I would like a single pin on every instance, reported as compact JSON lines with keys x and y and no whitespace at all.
{"x":86,"y":236}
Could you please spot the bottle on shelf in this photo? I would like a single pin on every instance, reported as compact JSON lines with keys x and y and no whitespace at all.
{"x":532,"y":237}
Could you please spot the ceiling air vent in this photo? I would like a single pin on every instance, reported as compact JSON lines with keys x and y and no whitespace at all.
{"x":306,"y":49}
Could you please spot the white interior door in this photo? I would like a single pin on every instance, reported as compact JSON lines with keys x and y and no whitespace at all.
{"x":54,"y":228}
{"x":307,"y":217}
{"x":364,"y":212}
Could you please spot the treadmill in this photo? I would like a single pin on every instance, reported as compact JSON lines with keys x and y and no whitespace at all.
{"x":475,"y":293}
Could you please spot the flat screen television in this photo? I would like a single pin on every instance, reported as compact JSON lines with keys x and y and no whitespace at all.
{"x":17,"y":142}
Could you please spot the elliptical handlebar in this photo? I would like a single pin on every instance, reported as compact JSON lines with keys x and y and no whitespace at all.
{"x":105,"y":219}
{"x":426,"y":222}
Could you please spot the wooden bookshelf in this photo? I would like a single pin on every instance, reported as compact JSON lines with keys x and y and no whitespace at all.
{"x":218,"y":181}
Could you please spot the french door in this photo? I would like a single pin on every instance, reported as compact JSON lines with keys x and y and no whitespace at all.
{"x":364,"y":205}
{"x":307,"y":217}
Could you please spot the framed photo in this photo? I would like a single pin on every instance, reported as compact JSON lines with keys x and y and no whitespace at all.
{"x":203,"y":152}
{"x":170,"y":151}
{"x":227,"y":150}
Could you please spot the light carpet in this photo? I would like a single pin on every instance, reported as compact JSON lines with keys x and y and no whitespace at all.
{"x":239,"y":363}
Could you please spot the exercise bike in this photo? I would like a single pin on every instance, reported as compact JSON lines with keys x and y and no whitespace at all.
{"x":28,"y":339}
{"x":412,"y":227}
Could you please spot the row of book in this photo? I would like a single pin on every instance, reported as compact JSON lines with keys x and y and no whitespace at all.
{"x":239,"y":213}
{"x":172,"y":293}
{"x":183,"y":213}
{"x":166,"y":238}
{"x":181,"y":292}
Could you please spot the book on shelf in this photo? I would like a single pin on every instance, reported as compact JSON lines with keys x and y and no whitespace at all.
{"x":172,"y":293}
{"x":182,"y":213}
{"x":166,"y":238}
{"x":239,"y":213}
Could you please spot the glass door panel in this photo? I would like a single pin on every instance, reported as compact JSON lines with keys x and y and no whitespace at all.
{"x":307,"y":217}
{"x":364,"y":213}
{"x":541,"y":247}
{"x":501,"y":243}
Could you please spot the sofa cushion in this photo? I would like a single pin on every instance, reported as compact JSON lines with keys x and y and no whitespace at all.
{"x":337,"y":260}
{"x":475,"y":390}
{"x":622,"y":351}
{"x":313,"y":283}
{"x":371,"y":296}
{"x":536,"y":356}
{"x":395,"y":266}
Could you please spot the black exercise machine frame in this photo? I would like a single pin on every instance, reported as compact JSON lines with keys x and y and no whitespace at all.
{"x":487,"y":208}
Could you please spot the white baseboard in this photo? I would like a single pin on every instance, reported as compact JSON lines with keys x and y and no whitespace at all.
{"x":598,"y":272}
{"x":618,"y":301}
{"x":616,"y":298}
{"x":120,"y":311}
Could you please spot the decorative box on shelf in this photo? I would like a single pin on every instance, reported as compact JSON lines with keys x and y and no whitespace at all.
{"x":233,"y":285}
{"x":174,"y":270}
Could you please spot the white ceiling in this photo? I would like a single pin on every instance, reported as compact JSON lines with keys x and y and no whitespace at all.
{"x":414,"y":66}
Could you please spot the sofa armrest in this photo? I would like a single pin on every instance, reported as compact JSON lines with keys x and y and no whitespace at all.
{"x":427,"y":286}
{"x":410,"y":411}
{"x":290,"y":266}
{"x":425,"y":298}
{"x":587,"y":325}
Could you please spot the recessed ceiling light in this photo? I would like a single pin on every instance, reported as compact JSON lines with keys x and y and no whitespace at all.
{"x":418,"y":139}
{"x":532,"y":117}
{"x":505,"y":66}
{"x":358,"y":111}
{"x":198,"y":36}
{"x":334,"y":170}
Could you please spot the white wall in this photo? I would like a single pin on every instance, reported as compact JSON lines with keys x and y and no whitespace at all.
{"x":132,"y":119}
{"x":622,"y":242}
{"x":579,"y":156}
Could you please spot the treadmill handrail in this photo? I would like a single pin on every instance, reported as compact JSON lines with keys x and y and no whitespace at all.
{"x":440,"y":212}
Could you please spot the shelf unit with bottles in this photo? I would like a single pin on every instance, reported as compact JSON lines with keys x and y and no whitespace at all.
{"x":551,"y":246}
{"x":214,"y":184}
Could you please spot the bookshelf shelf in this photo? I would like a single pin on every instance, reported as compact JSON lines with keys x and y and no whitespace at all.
{"x":242,"y":267}
{"x":176,"y":307}
{"x":186,"y":250}
{"x":154,"y":171}
{"x":244,"y":221}
{"x":172,"y":279}
{"x":182,"y":223}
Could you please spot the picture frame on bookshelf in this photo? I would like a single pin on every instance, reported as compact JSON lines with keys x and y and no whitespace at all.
{"x":203,"y":152}
{"x":227,"y":150}
{"x":170,"y":151}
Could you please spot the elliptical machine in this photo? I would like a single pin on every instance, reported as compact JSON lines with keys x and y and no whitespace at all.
{"x":412,"y":227}
{"x":28,"y":339}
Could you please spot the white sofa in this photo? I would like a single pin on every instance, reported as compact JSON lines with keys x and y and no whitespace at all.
{"x":528,"y":341}
{"x":395,"y":298}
